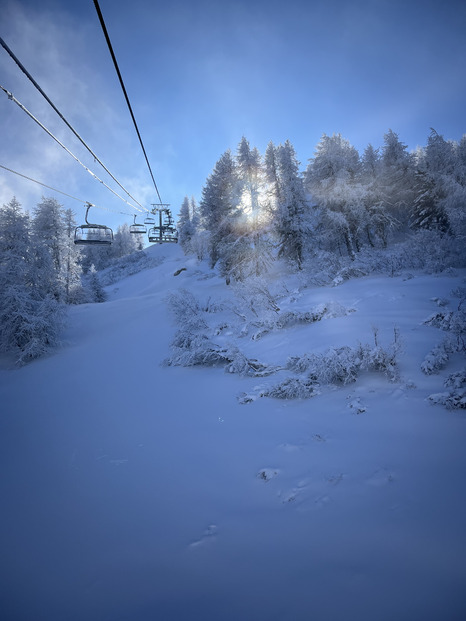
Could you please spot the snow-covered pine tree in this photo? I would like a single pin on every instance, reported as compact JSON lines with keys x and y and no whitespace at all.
{"x":292,"y":216}
{"x":370,"y":164}
{"x":249,"y":177}
{"x":329,"y":179}
{"x":461,"y":161}
{"x":271,"y":176}
{"x":48,"y":231}
{"x":185,"y":226}
{"x":438,"y":192}
{"x":335,"y":161}
{"x":397,"y":179}
{"x":30,"y":316}
{"x":97,"y":292}
{"x":199,"y":239}
{"x":15,"y":253}
{"x":377,"y":221}
{"x":124,"y":242}
{"x":428,"y":212}
{"x":74,"y":292}
{"x":219,"y":208}
{"x":254,"y":250}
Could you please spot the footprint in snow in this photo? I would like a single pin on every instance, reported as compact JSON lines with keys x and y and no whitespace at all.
{"x":266,"y":474}
{"x":335,"y":479}
{"x":356,"y":406}
{"x":381,"y":477}
{"x":208,"y":536}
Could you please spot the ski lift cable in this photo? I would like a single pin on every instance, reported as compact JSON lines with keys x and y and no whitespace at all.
{"x":29,"y":76}
{"x":107,"y":38}
{"x":13,"y":98}
{"x":122,"y":213}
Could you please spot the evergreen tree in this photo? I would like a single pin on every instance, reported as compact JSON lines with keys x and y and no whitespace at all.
{"x":253,"y":252}
{"x":428,"y":212}
{"x":249,"y":177}
{"x":370,"y":164}
{"x":335,"y":161}
{"x":49,"y":236}
{"x":30,"y":317}
{"x":185,"y":226}
{"x":97,"y":292}
{"x":199,"y":238}
{"x":124,"y":243}
{"x":436,"y":171}
{"x":14,"y":245}
{"x":272,"y":186}
{"x":333,"y":180}
{"x":74,"y":293}
{"x":461,"y":161}
{"x":397,"y":179}
{"x":219,"y":208}
{"x":291,"y":221}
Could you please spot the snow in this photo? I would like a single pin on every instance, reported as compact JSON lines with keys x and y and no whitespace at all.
{"x":137,"y":491}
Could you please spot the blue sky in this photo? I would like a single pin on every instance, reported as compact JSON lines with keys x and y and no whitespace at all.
{"x":202,"y":74}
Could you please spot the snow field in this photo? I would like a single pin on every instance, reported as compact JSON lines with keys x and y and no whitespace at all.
{"x":136,"y":491}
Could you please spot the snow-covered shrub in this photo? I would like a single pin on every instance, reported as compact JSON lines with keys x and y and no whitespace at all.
{"x":186,"y":310}
{"x":339,"y":365}
{"x":456,"y":380}
{"x":189,"y":350}
{"x":455,"y":398}
{"x":240,"y":364}
{"x":437,"y":358}
{"x":255,"y":297}
{"x":440,"y":319}
{"x":342,"y":365}
{"x":292,"y":388}
{"x":459,"y":292}
{"x":192,"y":345}
{"x":453,"y":322}
{"x":382,"y":359}
{"x":287,"y":319}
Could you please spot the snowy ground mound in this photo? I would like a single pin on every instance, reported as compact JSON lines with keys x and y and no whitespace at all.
{"x":198,"y":451}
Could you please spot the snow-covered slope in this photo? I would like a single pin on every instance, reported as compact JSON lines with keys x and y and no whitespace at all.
{"x":133,"y":491}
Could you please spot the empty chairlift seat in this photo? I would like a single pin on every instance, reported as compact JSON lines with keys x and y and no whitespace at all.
{"x":96,"y":234}
{"x":137,"y":229}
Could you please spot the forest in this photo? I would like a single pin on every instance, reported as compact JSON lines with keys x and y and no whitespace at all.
{"x":42,"y":271}
{"x":346,"y":215}
{"x":342,"y":209}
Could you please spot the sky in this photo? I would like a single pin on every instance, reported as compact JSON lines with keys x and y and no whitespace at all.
{"x":202,"y":74}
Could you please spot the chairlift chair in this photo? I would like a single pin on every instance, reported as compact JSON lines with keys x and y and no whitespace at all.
{"x":137,"y":229}
{"x":92,"y":234}
{"x":155,"y":235}
{"x":149,"y":220}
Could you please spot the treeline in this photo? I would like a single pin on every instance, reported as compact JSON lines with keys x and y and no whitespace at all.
{"x":255,"y":209}
{"x":42,"y":271}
